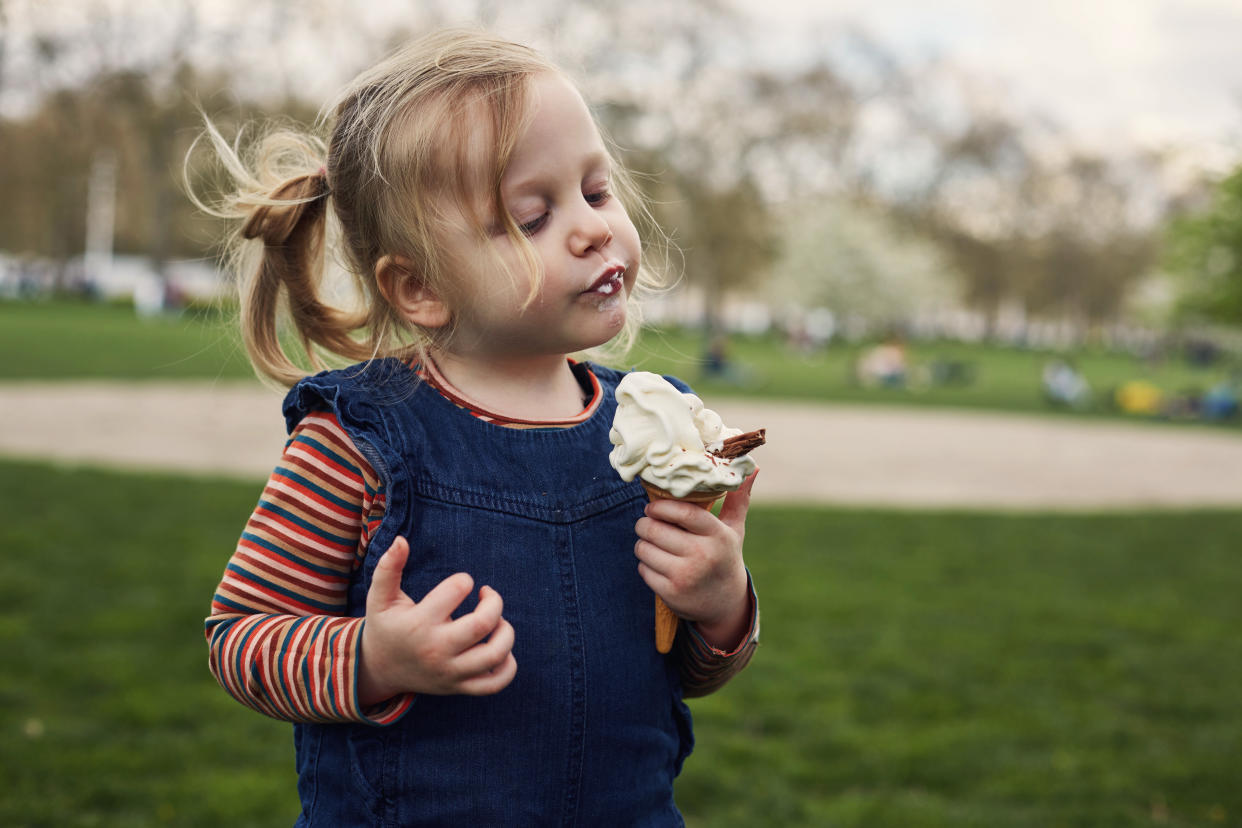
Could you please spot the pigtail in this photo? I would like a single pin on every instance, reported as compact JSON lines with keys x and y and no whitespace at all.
{"x":291,"y":227}
{"x":277,"y":256}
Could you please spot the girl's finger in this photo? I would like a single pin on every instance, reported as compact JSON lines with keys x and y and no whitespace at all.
{"x":655,"y":580}
{"x":446,"y":596}
{"x":491,"y":682}
{"x":658,"y":559}
{"x":488,"y":655}
{"x":670,"y":537}
{"x":692,"y":518}
{"x":479,"y":623}
{"x":736,"y":504}
{"x":385,"y":589}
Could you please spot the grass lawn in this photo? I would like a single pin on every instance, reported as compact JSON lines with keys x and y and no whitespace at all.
{"x":918,"y":669}
{"x":74,"y":341}
{"x":1005,"y":378}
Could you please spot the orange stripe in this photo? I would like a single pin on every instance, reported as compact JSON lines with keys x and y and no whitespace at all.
{"x":311,"y":582}
{"x":291,"y":532}
{"x":296,"y":499}
{"x":326,"y":426}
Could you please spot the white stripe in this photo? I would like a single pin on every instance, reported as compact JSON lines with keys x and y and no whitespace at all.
{"x":306,"y":539}
{"x":297,"y":581}
{"x":313,"y":507}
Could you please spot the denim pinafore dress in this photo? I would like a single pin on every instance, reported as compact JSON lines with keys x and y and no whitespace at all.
{"x":592,"y":730}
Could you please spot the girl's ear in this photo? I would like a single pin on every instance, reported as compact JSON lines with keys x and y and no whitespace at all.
{"x":416,"y":303}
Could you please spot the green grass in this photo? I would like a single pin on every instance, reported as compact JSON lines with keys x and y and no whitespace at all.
{"x":972,"y":670}
{"x":918,"y":669}
{"x":1005,"y":378}
{"x":72,"y":340}
{"x":61,"y":340}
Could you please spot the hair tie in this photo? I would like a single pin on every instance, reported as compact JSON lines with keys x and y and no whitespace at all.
{"x":273,"y":223}
{"x":324,"y":189}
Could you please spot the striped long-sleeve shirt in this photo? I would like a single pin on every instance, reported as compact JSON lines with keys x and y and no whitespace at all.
{"x":279,"y":639}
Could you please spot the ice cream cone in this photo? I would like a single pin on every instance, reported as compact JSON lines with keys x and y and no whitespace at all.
{"x":698,"y":498}
{"x":665,"y":618}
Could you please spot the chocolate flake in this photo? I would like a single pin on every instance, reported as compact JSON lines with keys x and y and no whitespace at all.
{"x":741,"y":444}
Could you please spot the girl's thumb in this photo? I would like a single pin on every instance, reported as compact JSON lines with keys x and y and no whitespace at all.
{"x":386,"y":582}
{"x":736,"y":504}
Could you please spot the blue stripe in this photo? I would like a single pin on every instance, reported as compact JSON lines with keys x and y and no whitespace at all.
{"x":242,"y":608}
{"x":331,"y":694}
{"x":312,"y":528}
{"x":306,"y":682}
{"x":306,"y":677}
{"x":240,"y":647}
{"x":303,"y":483}
{"x":288,"y":593}
{"x":286,"y":555}
{"x":282,"y":658}
{"x":327,"y":452}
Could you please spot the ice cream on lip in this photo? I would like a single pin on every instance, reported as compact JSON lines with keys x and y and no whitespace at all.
{"x":667,"y":437}
{"x":609,"y":281}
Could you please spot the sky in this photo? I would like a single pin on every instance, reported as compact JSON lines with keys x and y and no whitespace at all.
{"x":1130,"y":71}
{"x":1112,"y":72}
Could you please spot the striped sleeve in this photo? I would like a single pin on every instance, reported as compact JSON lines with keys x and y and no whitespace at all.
{"x":279,"y":640}
{"x":705,"y":669}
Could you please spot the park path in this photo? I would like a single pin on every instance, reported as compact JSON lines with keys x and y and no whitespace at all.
{"x":842,"y":454}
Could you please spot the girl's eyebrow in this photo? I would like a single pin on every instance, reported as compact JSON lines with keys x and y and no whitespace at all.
{"x":591,"y":163}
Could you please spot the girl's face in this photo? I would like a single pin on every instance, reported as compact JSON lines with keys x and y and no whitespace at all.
{"x":557,"y":190}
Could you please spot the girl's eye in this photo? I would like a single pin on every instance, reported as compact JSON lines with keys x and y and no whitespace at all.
{"x":532,"y":227}
{"x":598,"y":197}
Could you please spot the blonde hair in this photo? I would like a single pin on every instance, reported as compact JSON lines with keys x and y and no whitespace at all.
{"x":397,"y":145}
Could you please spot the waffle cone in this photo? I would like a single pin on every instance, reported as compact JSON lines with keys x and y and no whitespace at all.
{"x":698,"y":498}
{"x":665,"y":618}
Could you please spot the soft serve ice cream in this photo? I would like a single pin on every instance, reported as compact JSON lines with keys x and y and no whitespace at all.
{"x":667,"y":438}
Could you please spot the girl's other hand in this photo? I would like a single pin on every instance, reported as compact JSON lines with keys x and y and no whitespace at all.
{"x":693,"y":560}
{"x":418,"y":647}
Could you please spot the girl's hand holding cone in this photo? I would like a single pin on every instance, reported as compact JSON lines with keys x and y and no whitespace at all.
{"x":692,"y":560}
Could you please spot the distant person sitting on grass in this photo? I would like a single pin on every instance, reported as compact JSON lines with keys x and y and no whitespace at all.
{"x":1221,"y":400}
{"x":716,"y":361}
{"x":719,"y":366}
{"x":1065,"y":386}
{"x":884,"y":366}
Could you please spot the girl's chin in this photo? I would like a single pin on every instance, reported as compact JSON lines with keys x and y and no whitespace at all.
{"x":613,"y":312}
{"x":605,"y":331}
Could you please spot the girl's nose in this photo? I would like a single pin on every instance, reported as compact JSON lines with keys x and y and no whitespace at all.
{"x":591,"y":230}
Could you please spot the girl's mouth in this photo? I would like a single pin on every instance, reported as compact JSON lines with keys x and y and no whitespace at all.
{"x":608,"y":283}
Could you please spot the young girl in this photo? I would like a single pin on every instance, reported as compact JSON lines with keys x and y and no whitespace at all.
{"x":486,"y":224}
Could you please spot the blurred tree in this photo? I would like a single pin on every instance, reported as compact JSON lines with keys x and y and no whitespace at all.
{"x":109,"y":86}
{"x":1205,"y":249}
{"x":1058,"y":233}
{"x":727,"y":236}
{"x":1085,"y":247}
{"x":972,"y":199}
{"x":855,"y":258}
{"x":148,"y":129}
{"x":715,"y":139}
{"x":4,"y":43}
